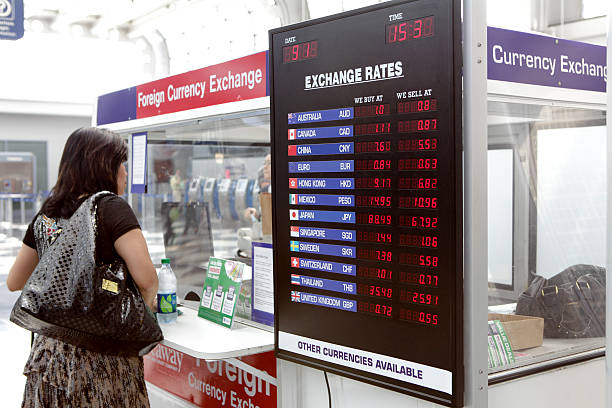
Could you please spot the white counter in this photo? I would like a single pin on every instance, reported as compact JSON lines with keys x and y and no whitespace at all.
{"x":206,"y":340}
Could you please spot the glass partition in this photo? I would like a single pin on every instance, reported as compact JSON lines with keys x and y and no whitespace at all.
{"x":204,"y":183}
{"x":547,"y":218}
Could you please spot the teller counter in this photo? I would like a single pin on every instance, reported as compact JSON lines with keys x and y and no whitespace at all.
{"x":200,"y":363}
{"x":205,"y":340}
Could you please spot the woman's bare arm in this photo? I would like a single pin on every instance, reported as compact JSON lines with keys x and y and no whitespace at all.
{"x":132,"y":247}
{"x":24,"y":265}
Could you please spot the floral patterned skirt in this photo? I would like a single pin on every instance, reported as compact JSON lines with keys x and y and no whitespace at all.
{"x":62,"y":375}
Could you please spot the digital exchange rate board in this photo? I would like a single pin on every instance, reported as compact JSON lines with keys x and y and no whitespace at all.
{"x":367,"y":196}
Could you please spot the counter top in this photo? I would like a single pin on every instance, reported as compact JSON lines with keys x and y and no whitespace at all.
{"x":206,"y":340}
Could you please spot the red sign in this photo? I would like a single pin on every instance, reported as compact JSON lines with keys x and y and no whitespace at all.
{"x":212,"y":383}
{"x":236,"y":80}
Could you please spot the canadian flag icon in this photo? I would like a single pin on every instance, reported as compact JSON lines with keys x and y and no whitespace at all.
{"x":292,"y":150}
{"x":291,"y":134}
{"x":294,"y":214}
{"x":295,"y":262}
{"x":293,"y":183}
{"x":295,"y":232}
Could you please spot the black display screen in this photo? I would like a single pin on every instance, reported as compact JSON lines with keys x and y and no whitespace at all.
{"x":367,"y":205}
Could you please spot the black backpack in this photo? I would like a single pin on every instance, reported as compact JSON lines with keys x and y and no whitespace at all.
{"x":572,"y":303}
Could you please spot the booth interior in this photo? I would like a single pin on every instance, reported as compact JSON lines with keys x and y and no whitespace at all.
{"x":205,"y":178}
{"x":547,"y":213}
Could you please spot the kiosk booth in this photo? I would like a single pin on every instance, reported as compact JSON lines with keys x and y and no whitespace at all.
{"x":401,"y":217}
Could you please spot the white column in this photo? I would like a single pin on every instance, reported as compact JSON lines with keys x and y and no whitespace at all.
{"x":609,"y":228}
{"x":475,"y":201}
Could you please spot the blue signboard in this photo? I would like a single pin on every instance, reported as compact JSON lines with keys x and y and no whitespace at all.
{"x":326,"y":284}
{"x":536,"y":59}
{"x":320,"y":132}
{"x":325,"y":301}
{"x":342,"y":200}
{"x":323,"y":233}
{"x":325,"y":266}
{"x":11,"y":19}
{"x":322,"y":249}
{"x":322,"y":183}
{"x":322,"y":215}
{"x":323,"y":166}
{"x":321,"y":149}
{"x":320,"y":116}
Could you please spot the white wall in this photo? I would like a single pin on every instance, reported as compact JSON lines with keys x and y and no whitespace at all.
{"x":52,"y":129}
{"x":578,"y":385}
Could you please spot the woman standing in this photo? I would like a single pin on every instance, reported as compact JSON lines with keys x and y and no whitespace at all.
{"x":61,"y":374}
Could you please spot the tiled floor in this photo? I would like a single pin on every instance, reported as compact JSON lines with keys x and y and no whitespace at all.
{"x":14,"y":341}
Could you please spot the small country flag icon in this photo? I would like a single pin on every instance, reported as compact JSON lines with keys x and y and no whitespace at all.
{"x":293,"y":183}
{"x":295,"y":279}
{"x":290,"y":116}
{"x":291,"y":134}
{"x":292,"y":150}
{"x":294,"y":214}
{"x":295,"y":296}
{"x":294,"y":246}
{"x":295,"y":262}
{"x":292,"y":197}
{"x":295,"y":231}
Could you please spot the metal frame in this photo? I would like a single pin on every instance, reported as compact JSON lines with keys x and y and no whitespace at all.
{"x":609,"y":232}
{"x":475,"y":202}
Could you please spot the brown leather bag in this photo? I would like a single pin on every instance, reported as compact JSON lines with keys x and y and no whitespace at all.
{"x":572,"y":303}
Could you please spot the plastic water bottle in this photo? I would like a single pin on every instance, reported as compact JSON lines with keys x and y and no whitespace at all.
{"x":166,"y":294}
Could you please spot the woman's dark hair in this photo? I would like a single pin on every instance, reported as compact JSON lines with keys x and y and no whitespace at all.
{"x":89,"y":164}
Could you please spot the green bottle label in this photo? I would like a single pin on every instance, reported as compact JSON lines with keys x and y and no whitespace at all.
{"x":166,"y":303}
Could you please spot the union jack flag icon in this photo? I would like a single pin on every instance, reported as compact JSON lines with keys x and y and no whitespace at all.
{"x":295,"y":296}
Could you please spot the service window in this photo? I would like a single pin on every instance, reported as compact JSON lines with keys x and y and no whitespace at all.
{"x":547,"y":220}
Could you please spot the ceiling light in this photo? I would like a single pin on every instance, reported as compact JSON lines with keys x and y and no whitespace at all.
{"x":114,"y":34}
{"x":77,"y":30}
{"x":37,"y":26}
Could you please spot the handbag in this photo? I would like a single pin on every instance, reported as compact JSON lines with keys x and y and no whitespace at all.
{"x":72,"y":297}
{"x":572,"y":303}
